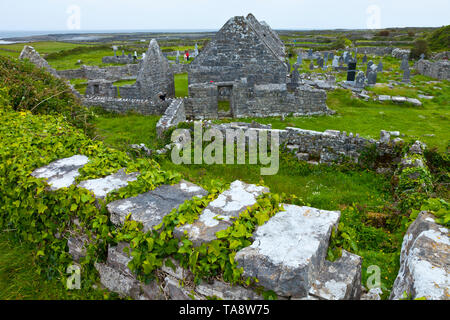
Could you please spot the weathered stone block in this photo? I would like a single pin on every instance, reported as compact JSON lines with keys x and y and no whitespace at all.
{"x":289,"y":250}
{"x":219,"y":213}
{"x":150,"y":207}
{"x":61,"y":173}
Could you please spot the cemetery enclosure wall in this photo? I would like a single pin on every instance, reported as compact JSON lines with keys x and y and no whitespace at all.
{"x":113,"y":73}
{"x":122,"y":106}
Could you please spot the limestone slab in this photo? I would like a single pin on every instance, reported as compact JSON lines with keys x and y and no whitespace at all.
{"x":339,"y":280}
{"x":289,"y":250}
{"x":102,"y":186}
{"x":219,"y":213}
{"x":61,"y":173}
{"x":424,"y":261}
{"x":151,"y":207}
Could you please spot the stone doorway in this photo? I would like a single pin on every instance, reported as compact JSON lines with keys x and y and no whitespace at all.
{"x":224,"y":101}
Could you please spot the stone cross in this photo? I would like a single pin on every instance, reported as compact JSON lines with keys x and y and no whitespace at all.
{"x":115,"y":48}
{"x":422,"y":56}
{"x":404,"y":65}
{"x":406,"y":75}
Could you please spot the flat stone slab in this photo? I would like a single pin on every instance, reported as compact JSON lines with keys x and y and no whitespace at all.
{"x":217,"y":215}
{"x":61,"y":173}
{"x":151,"y":207}
{"x":289,"y":250}
{"x":399,"y":99}
{"x":102,"y":186}
{"x":424,"y":261}
{"x":339,"y":280}
{"x":414,"y":101}
{"x":384,"y":98}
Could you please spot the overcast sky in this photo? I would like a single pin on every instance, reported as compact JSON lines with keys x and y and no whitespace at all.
{"x":209,"y":14}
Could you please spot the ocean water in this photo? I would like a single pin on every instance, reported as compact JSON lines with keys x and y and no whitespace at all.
{"x":15,"y":34}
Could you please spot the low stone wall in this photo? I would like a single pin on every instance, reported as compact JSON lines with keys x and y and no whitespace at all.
{"x":324,"y":147}
{"x":376,"y":51}
{"x":113,"y":73}
{"x":145,"y":107}
{"x":400,"y":53}
{"x":439,"y":69}
{"x":179,"y":68}
{"x":174,"y":114}
{"x":442,"y":55}
{"x":118,"y":59}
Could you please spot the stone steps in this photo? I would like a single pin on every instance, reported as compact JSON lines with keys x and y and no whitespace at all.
{"x":287,"y":255}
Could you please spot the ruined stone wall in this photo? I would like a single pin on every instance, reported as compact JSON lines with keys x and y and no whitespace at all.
{"x":113,"y":73}
{"x":255,"y":101}
{"x":202,"y":102}
{"x":177,"y":68}
{"x":174,"y":114}
{"x":325,"y":147}
{"x":101,"y":88}
{"x":236,"y":52}
{"x":438,"y":70}
{"x":118,"y":105}
{"x":118,"y":59}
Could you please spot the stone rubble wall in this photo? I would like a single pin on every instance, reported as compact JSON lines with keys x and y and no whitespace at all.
{"x":438,"y":70}
{"x":118,"y":59}
{"x":114,"y":73}
{"x":400,"y":53}
{"x":325,"y":147}
{"x":376,"y":51}
{"x":118,"y":105}
{"x":174,"y":114}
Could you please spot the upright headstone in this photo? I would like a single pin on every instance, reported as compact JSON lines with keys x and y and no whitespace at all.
{"x":115,"y":48}
{"x":196,"y":50}
{"x":369,"y":65}
{"x":123,"y":53}
{"x":331,"y":56}
{"x":325,"y":55}
{"x":372,"y":78}
{"x":364,"y":59}
{"x":341,"y":61}
{"x":311,"y":65}
{"x":380,"y":67}
{"x":406,"y":75}
{"x":178,"y":57}
{"x":299,"y":59}
{"x":335,"y":62}
{"x":404,"y":65}
{"x":310,"y":54}
{"x":320,"y":62}
{"x":351,"y":70}
{"x":360,"y":80}
{"x":422,"y":56}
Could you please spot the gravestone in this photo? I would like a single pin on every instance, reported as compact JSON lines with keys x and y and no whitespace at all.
{"x":346,"y":57}
{"x":351,"y":71}
{"x":406,"y":75}
{"x":310,"y":54}
{"x":335,"y":62}
{"x":115,"y":48}
{"x":369,"y":65}
{"x":196,"y":50}
{"x":422,"y":56}
{"x":178,"y":57}
{"x":320,"y":62}
{"x":341,"y":60}
{"x":311,"y":65}
{"x":360,"y":80}
{"x":364,"y":59}
{"x":325,"y":55}
{"x":331,"y":55}
{"x":404,"y":65}
{"x":288,"y":64}
{"x":372,"y":78}
{"x":299,"y":59}
{"x":123,"y":53}
{"x":380,"y":67}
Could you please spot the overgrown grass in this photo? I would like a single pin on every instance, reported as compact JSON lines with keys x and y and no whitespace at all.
{"x":368,"y":118}
{"x":181,"y":85}
{"x":19,"y":280}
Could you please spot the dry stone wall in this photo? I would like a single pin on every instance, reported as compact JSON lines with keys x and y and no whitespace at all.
{"x":438,"y":70}
{"x":113,"y":73}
